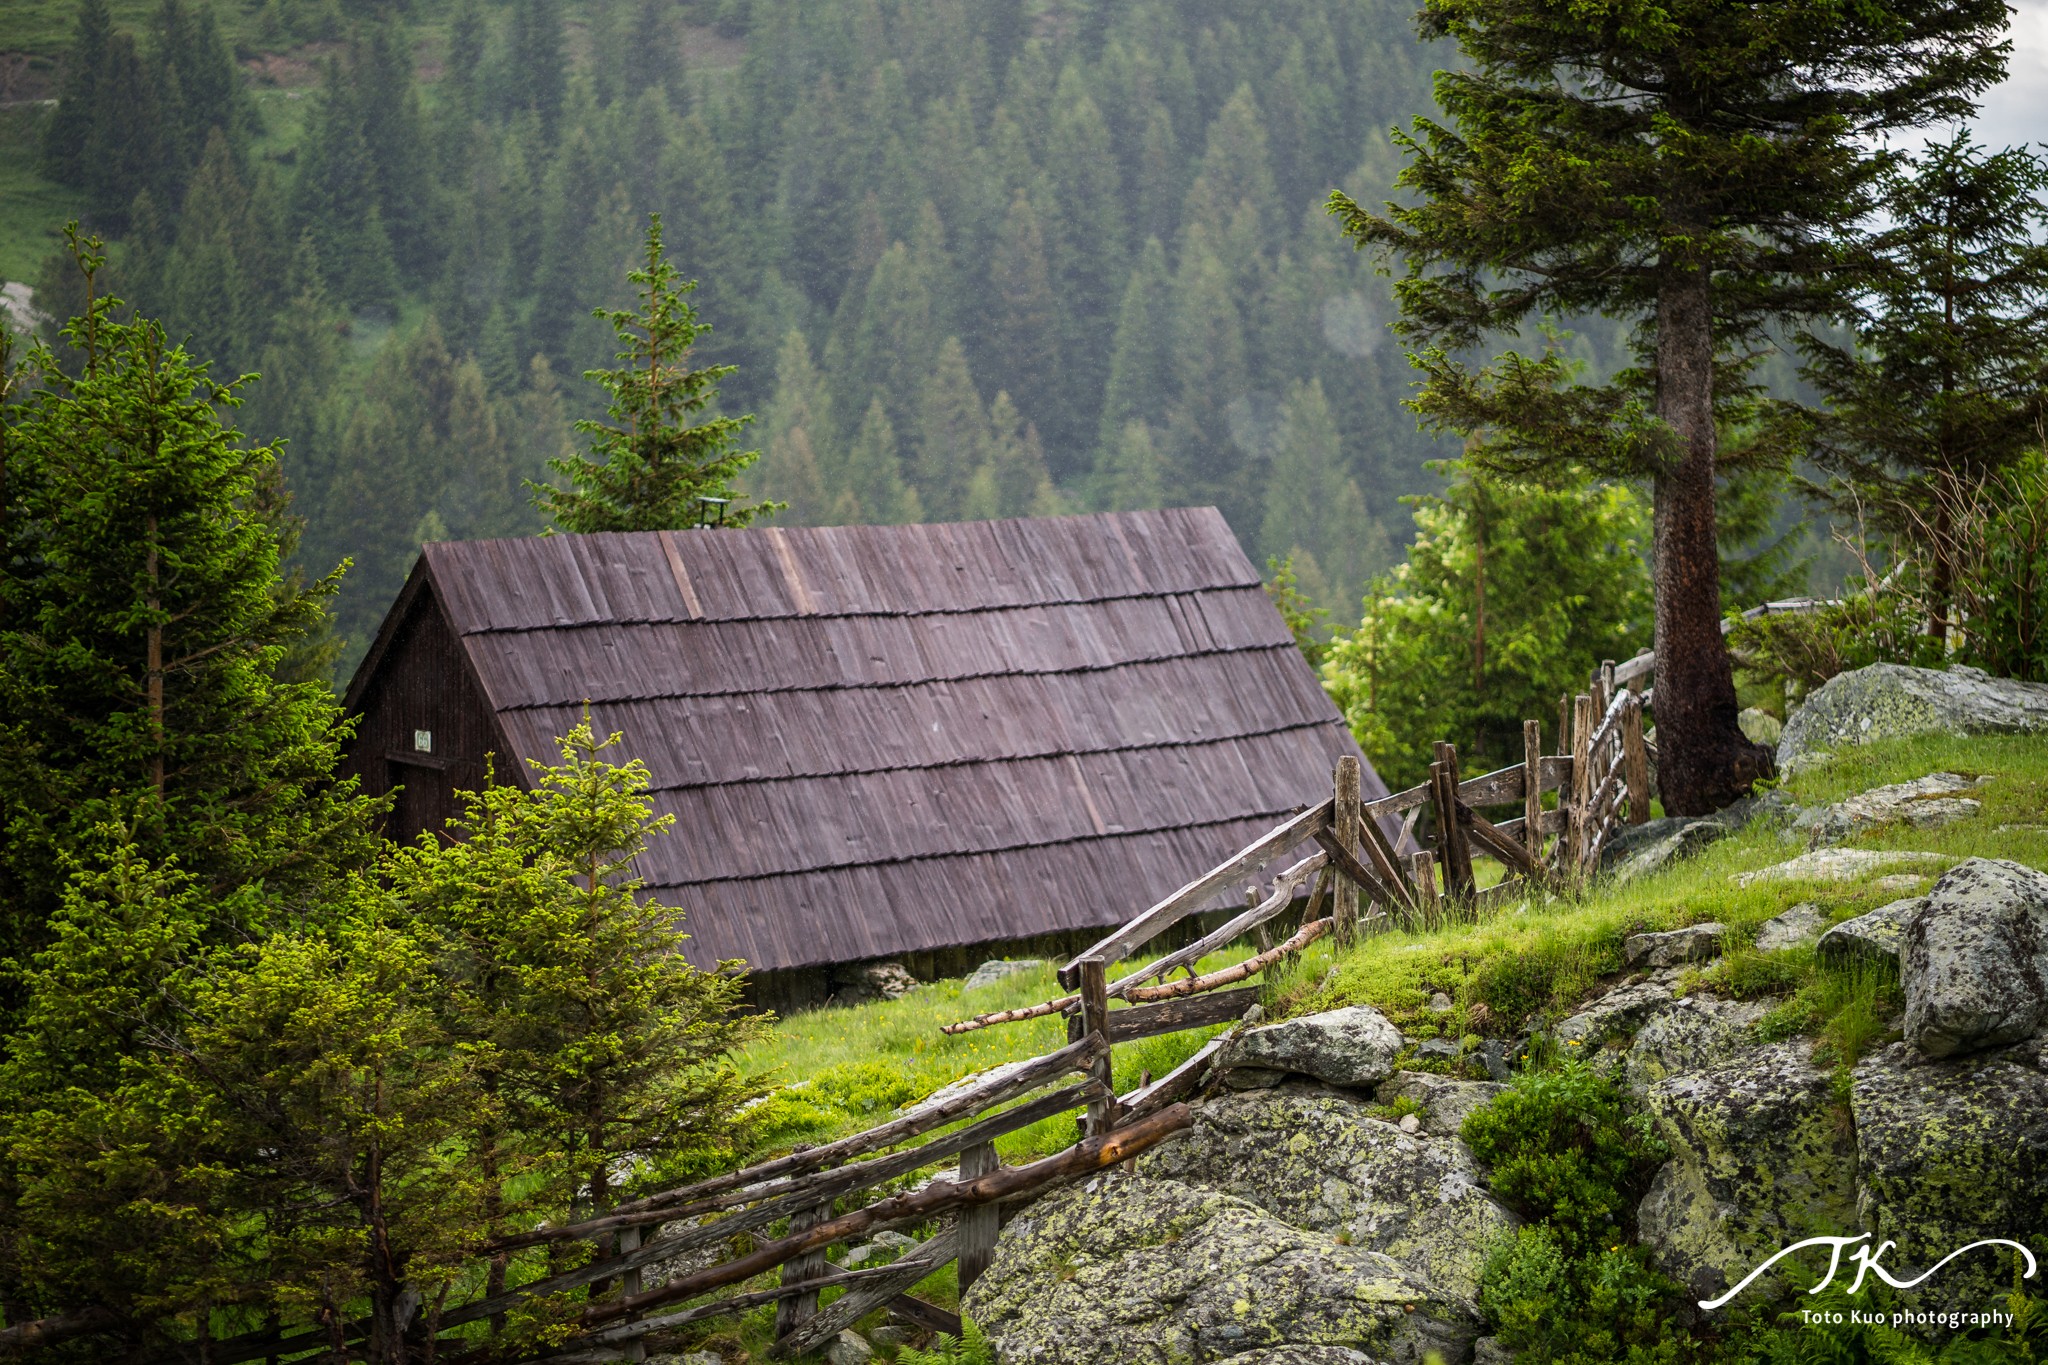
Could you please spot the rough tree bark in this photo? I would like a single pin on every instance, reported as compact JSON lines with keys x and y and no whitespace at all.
{"x":1704,"y":761}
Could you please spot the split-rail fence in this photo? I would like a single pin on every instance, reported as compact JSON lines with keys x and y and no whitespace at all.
{"x":723,"y":1231}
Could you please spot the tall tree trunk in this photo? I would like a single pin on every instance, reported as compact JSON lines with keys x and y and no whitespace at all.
{"x":1704,"y":761}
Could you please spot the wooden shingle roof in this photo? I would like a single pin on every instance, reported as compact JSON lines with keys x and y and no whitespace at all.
{"x":883,"y":739}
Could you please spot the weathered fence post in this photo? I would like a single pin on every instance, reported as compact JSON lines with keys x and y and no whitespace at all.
{"x":1095,"y":1019}
{"x":1606,"y":685}
{"x":977,"y":1224}
{"x":1347,"y":808}
{"x":1580,"y":820}
{"x":792,"y":1312}
{"x":1422,"y":870}
{"x":1532,"y":787}
{"x":629,"y":1285}
{"x":1564,"y":732}
{"x":1635,"y":763}
{"x":1451,"y":838}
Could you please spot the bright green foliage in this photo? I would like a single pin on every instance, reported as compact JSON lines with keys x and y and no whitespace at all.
{"x":1509,"y":594}
{"x":142,"y":633}
{"x":1607,"y":1305}
{"x":593,"y":1031}
{"x":969,"y":1348}
{"x":1308,"y":623}
{"x":1564,"y":1151}
{"x":655,"y":459}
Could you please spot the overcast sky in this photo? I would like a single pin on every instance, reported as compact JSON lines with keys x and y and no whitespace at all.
{"x":2017,"y":111}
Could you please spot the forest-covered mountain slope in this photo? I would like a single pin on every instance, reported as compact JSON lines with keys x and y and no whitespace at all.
{"x":971,"y":257}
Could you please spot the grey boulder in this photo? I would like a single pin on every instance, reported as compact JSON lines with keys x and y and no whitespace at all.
{"x":1139,"y":1268}
{"x":996,"y":969}
{"x":1887,"y":701}
{"x":1351,"y":1046}
{"x":1800,"y":925}
{"x":1445,"y":1102}
{"x":1973,"y":957}
{"x":1924,"y":803}
{"x":1698,"y":943}
{"x":1695,"y":1034}
{"x":1660,"y":844}
{"x":1759,"y":1159}
{"x":1318,"y":1160}
{"x":1840,"y":865}
{"x":1872,"y":937}
{"x":1617,"y":1014}
{"x":1952,"y":1152}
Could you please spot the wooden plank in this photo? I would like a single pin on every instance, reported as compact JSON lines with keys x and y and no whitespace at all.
{"x":1185,"y":1012}
{"x":1582,"y":785}
{"x":1094,"y":1020}
{"x":1532,"y":787}
{"x":1182,"y":903}
{"x":1344,"y":818}
{"x":1283,"y":895}
{"x":680,"y":574}
{"x":1553,"y":823}
{"x":629,"y":1283}
{"x":978,"y":1224}
{"x":1628,"y":670}
{"x":1383,"y":861}
{"x":1424,"y":864}
{"x":792,"y":1312}
{"x":929,"y":1316}
{"x":863,"y":1299}
{"x":1635,"y":761}
{"x":1251,"y":966}
{"x":1498,"y":788}
{"x":1451,"y":832}
{"x":1176,"y":1084}
{"x":1358,"y":873}
{"x":1501,"y":846}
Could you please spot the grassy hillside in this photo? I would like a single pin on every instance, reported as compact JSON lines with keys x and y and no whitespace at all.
{"x":846,"y":1069}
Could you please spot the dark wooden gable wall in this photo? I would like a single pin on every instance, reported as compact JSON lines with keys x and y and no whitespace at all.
{"x":424,"y":726}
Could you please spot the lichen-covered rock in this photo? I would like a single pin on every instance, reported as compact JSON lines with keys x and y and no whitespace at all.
{"x":1973,"y":959}
{"x":1924,"y":803}
{"x":1695,"y":1034}
{"x":1444,"y":1101}
{"x":1952,"y":1152}
{"x":1697,"y":943}
{"x":1352,"y":1046}
{"x":1873,"y":937}
{"x":1885,"y":701}
{"x":1317,"y":1160}
{"x":1801,"y":924}
{"x":1759,"y":726}
{"x":1616,"y":1014}
{"x":1302,"y":1355}
{"x":1677,"y":839}
{"x":1838,"y":865}
{"x":1760,"y":1157}
{"x":1137,"y":1270}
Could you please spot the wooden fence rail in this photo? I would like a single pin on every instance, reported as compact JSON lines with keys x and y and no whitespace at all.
{"x":1352,"y":880}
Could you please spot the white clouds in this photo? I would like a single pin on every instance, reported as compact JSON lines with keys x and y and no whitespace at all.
{"x":2017,"y":111}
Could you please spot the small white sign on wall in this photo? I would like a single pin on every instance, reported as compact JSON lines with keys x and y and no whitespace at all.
{"x":423,"y":741}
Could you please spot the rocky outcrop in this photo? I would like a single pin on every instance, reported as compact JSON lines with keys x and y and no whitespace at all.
{"x":1316,"y":1159}
{"x":1137,"y":1268}
{"x":1760,"y":1158}
{"x":1840,"y":865}
{"x":1662,"y":843}
{"x":1695,"y":1034}
{"x":1355,"y":1046}
{"x":1886,"y":701}
{"x":1873,"y":937}
{"x":1800,"y":925}
{"x":1973,"y":958}
{"x":1444,"y":1102}
{"x":1924,"y":803}
{"x":1952,"y":1152}
{"x":1699,"y":943}
{"x":1618,"y":1013}
{"x":996,"y":969}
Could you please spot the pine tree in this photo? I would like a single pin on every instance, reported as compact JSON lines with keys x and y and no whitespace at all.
{"x":1695,"y":177}
{"x":798,"y":452}
{"x":874,"y":492}
{"x":1131,"y":475}
{"x":140,"y":642}
{"x":891,"y":350}
{"x":69,"y":132}
{"x":1017,"y":476}
{"x":1209,"y":374}
{"x":952,"y":435}
{"x":207,"y":285}
{"x":655,"y":462}
{"x":1027,"y":318}
{"x":1312,"y":508}
{"x":1944,"y":384}
{"x":1141,"y":360}
{"x":534,"y":77}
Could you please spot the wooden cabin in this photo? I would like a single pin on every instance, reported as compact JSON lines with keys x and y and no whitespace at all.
{"x":930,"y":744}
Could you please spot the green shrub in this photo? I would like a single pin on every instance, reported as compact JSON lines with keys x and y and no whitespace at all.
{"x":969,"y":1348}
{"x":1563,"y":1152}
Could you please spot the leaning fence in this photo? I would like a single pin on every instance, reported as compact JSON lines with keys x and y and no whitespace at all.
{"x":782,"y":1215}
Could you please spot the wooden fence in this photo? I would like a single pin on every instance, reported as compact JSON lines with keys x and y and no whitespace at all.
{"x":1356,"y":872}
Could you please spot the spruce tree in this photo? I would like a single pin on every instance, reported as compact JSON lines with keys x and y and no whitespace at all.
{"x":798,"y":452}
{"x":659,"y":454}
{"x":873,"y":492}
{"x":1313,"y":508}
{"x":1944,"y":383}
{"x":69,"y":131}
{"x":952,"y":434}
{"x":1027,"y":331}
{"x":1131,"y":475}
{"x":1694,"y":171}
